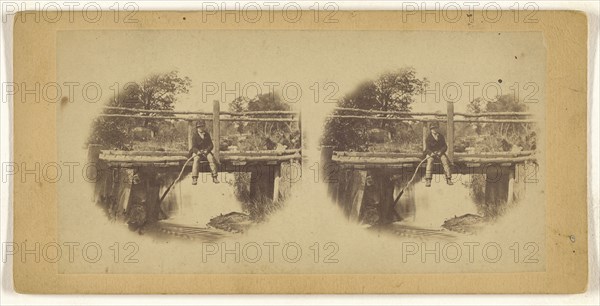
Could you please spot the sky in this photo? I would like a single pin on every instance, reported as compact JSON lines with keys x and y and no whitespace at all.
{"x":304,"y":57}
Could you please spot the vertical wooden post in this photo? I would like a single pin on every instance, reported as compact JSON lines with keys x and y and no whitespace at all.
{"x":300,"y":128}
{"x":326,"y":164}
{"x":519,"y":182}
{"x":98,"y":173}
{"x":511,"y":185}
{"x":216,"y":129}
{"x":425,"y":133}
{"x":329,"y":171}
{"x":190,"y":135}
{"x":450,"y":131}
{"x":276,"y":182}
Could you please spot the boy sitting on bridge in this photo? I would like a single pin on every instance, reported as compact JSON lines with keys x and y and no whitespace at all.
{"x":435,"y":149}
{"x":202,"y":147}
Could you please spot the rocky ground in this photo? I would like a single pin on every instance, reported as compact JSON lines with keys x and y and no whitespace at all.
{"x":466,"y":224}
{"x":233,"y":222}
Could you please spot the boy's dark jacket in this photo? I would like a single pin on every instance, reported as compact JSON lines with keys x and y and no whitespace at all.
{"x":201,"y":144}
{"x":432,"y":145}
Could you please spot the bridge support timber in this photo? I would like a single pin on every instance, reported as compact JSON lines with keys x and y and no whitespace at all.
{"x":388,"y":173}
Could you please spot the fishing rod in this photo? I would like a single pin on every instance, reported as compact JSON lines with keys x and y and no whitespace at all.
{"x":411,"y":179}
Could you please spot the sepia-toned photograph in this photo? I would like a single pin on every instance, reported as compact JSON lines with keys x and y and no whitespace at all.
{"x":367,"y":155}
{"x":201,"y":142}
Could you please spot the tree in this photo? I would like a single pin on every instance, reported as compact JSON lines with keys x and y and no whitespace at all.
{"x":475,"y":106}
{"x":265,"y":135}
{"x":504,"y":135}
{"x":157,"y":92}
{"x":391,"y":91}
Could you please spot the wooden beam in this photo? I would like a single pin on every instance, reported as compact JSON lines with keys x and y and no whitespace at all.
{"x":276,"y":182}
{"x":425,"y":133}
{"x":484,"y":160}
{"x":419,"y":154}
{"x":494,"y":114}
{"x":433,"y":119}
{"x":399,"y":113}
{"x":495,"y":120}
{"x":216,"y":129}
{"x":147,"y":117}
{"x":387,"y":118}
{"x":247,"y":119}
{"x":190,"y":135}
{"x":366,"y":160}
{"x":293,"y":113}
{"x":177,"y":159}
{"x":185,"y":153}
{"x":450,"y":131}
{"x":375,"y":160}
{"x":173,"y":112}
{"x":378,"y":154}
{"x":156,"y":111}
{"x":495,"y":154}
{"x":371,"y":111}
{"x":201,"y":118}
{"x":511,"y":186}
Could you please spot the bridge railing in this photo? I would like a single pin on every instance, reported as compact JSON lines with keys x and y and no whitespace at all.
{"x":216,"y":116}
{"x":428,"y":117}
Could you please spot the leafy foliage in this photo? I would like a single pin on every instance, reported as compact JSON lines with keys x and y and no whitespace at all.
{"x":264,"y":135}
{"x":501,"y":136}
{"x":157,"y":92}
{"x":391,"y":91}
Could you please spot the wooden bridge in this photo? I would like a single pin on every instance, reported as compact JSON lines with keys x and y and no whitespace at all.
{"x":141,"y":176}
{"x":346,"y":173}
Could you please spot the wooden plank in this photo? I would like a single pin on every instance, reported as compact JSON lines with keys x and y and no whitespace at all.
{"x":495,"y":154}
{"x":216,"y":130}
{"x":450,"y":130}
{"x":494,"y":114}
{"x":377,"y":154}
{"x":248,"y":119}
{"x":262,"y":152}
{"x":276,"y":182}
{"x":359,"y":180}
{"x":490,"y":114}
{"x":425,"y":130}
{"x":146,"y":116}
{"x":177,"y":159}
{"x":495,"y":159}
{"x":419,"y":154}
{"x":190,"y":135}
{"x":386,"y":118}
{"x":372,"y":111}
{"x":276,"y":112}
{"x":496,"y":120}
{"x":155,"y":111}
{"x":374,"y":160}
{"x":185,"y":153}
{"x":144,"y":153}
{"x":511,"y":186}
{"x":149,"y":159}
{"x":433,"y":119}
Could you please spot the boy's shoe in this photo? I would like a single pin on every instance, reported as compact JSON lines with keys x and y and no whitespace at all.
{"x":449,"y":181}
{"x":194,"y":180}
{"x":215,"y":180}
{"x":428,"y":183}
